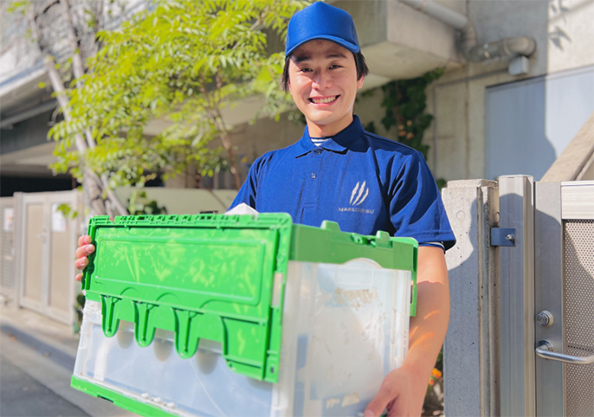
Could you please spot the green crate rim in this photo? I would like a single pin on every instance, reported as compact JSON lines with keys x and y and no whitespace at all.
{"x":131,"y":404}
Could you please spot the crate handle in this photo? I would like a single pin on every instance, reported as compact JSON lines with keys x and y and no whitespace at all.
{"x":110,"y":323}
{"x":184,"y":344}
{"x":143,"y":333}
{"x":330,"y":225}
{"x":192,"y":326}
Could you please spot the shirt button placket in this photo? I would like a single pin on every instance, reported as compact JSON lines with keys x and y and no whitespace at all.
{"x":317,"y":151}
{"x":312,"y":189}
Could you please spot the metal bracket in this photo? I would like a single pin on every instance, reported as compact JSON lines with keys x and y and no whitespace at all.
{"x":501,"y":236}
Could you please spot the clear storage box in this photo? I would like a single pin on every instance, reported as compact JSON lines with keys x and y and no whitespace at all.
{"x":337,"y":303}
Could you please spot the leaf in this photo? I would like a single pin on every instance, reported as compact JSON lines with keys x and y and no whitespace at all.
{"x":64,"y":209}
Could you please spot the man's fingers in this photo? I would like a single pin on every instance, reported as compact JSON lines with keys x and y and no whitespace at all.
{"x":376,"y":407}
{"x":81,"y":263}
{"x":400,"y":407}
{"x":84,"y":240}
{"x":83,"y":251}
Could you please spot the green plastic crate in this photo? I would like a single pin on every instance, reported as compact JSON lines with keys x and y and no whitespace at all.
{"x":218,"y":277}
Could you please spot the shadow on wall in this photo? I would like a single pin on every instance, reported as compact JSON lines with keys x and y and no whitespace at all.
{"x":529,"y":123}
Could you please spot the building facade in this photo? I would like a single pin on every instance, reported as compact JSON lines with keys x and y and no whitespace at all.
{"x":496,"y":111}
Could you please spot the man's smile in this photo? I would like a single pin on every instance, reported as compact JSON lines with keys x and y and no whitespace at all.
{"x":323,"y":100}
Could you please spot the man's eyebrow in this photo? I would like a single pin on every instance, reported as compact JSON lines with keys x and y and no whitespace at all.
{"x":305,"y":57}
{"x":336,"y":55}
{"x":300,"y":58}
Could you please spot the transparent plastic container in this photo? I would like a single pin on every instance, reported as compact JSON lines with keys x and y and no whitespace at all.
{"x":344,"y":327}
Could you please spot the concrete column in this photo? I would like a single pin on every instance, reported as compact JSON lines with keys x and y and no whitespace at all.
{"x":470,"y":346}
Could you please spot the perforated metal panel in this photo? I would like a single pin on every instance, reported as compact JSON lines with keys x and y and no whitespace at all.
{"x":579,"y":314}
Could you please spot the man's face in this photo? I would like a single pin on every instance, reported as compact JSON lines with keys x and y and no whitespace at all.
{"x":323,"y":83}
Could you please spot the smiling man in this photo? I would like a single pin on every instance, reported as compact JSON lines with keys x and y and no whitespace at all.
{"x":323,"y":82}
{"x":338,"y":171}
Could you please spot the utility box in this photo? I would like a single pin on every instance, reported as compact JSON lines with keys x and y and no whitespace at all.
{"x":216,"y":315}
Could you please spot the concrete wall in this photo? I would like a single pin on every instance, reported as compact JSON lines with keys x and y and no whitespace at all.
{"x":470,"y":356}
{"x":564,"y":35}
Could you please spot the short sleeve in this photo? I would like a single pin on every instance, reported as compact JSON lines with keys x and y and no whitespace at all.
{"x":416,"y":208}
{"x":247,"y":192}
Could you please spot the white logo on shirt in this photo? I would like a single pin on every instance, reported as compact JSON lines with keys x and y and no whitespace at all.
{"x":359,"y":194}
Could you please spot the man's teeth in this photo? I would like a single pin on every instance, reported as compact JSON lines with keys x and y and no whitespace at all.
{"x":324,"y":100}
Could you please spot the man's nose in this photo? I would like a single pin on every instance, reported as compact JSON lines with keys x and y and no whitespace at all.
{"x":322,"y":79}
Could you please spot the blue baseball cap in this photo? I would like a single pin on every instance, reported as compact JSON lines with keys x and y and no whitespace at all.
{"x":321,"y":21}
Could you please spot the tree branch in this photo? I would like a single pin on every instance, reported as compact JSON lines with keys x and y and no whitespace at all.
{"x":215,"y":115}
{"x":93,"y":185}
{"x":77,"y":63}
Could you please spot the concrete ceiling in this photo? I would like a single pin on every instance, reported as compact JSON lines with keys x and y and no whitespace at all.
{"x":32,"y":161}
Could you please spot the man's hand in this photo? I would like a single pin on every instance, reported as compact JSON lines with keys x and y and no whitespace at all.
{"x":84,"y":249}
{"x":403,"y":390}
{"x":402,"y":393}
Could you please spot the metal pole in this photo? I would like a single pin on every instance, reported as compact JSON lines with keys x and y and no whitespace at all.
{"x":516,"y":307}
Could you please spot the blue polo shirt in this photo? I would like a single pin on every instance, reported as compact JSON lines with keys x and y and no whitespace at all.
{"x":362,"y":181}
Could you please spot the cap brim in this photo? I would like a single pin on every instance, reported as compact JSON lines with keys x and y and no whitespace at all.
{"x":350,"y":46}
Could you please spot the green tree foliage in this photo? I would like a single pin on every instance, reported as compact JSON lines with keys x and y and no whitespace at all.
{"x":182,"y":63}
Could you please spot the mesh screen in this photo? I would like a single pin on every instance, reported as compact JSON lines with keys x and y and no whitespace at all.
{"x":579,"y":314}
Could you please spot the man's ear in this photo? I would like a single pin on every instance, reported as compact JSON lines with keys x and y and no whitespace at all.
{"x":360,"y":82}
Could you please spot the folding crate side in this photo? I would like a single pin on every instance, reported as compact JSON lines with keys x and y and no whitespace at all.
{"x":209,"y":276}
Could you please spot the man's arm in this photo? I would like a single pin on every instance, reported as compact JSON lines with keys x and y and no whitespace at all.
{"x":403,"y":390}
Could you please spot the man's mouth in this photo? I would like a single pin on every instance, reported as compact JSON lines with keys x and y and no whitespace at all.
{"x":323,"y":100}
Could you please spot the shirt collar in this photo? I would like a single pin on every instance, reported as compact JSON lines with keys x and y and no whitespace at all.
{"x":337,"y":143}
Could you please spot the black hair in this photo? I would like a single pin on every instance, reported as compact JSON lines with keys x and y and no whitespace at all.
{"x":360,"y":64}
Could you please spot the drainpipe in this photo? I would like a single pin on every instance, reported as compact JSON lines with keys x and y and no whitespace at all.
{"x":517,"y":48}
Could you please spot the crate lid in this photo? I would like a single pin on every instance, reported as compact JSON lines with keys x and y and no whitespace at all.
{"x":217,"y":277}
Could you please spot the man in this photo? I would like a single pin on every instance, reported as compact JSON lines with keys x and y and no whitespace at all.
{"x":339,"y":172}
{"x":366,"y":183}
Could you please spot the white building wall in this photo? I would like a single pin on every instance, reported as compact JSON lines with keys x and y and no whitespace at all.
{"x":570,"y":34}
{"x":564,"y":35}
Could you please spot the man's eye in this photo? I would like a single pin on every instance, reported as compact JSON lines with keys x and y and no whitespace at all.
{"x":335,"y":66}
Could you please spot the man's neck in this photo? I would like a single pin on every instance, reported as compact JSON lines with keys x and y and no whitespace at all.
{"x":329,"y":130}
